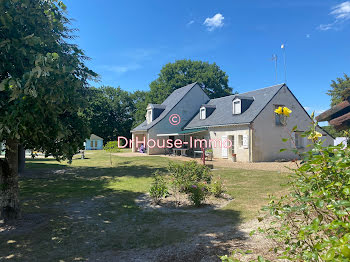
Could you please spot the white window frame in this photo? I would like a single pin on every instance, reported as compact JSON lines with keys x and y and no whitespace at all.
{"x":237,"y":110}
{"x":202,"y":113}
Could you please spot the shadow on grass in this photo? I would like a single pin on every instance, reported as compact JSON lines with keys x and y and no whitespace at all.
{"x":87,"y":211}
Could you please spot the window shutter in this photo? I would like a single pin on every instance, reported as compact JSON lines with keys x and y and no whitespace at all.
{"x":245,"y":141}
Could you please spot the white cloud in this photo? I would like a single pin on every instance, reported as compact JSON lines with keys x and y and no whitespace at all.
{"x":214,"y":22}
{"x":190,"y":23}
{"x":341,"y":13}
{"x":317,"y":111}
{"x":121,"y":69}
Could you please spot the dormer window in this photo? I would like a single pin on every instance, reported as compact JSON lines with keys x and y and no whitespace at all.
{"x":149,"y":116}
{"x":202,"y":113}
{"x":153,"y":112}
{"x":237,"y":107}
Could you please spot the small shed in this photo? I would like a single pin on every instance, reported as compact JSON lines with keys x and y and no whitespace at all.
{"x":94,"y":143}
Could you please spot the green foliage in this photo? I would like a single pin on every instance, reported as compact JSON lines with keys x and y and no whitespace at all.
{"x":188,"y":173}
{"x":334,"y":133}
{"x":217,"y":188}
{"x":312,"y":222}
{"x":43,"y":79}
{"x":197,"y":193}
{"x":140,"y":105}
{"x":191,"y":178}
{"x":158,"y":188}
{"x":111,"y":147}
{"x":340,"y":90}
{"x":110,"y":111}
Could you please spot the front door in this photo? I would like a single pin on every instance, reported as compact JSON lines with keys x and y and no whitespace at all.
{"x":224,"y":146}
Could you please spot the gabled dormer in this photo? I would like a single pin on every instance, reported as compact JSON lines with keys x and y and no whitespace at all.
{"x":205,"y":111}
{"x":241,"y":103}
{"x":154,"y":111}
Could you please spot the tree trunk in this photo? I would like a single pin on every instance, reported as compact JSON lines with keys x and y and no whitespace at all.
{"x":21,"y":159}
{"x":9,"y":201}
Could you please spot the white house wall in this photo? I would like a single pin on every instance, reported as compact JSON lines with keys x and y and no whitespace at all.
{"x":242,"y":154}
{"x":267,"y":137}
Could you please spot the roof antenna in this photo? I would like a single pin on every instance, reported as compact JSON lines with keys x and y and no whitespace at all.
{"x":274,"y":58}
{"x":283,"y":46}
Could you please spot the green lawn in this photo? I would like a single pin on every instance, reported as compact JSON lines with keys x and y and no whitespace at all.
{"x":88,"y":207}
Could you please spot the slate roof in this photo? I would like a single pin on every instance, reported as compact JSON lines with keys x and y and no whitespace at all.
{"x":169,"y":104}
{"x":222,"y":115}
{"x":158,"y":106}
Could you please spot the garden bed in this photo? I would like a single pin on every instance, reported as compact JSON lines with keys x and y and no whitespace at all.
{"x":181,"y":203}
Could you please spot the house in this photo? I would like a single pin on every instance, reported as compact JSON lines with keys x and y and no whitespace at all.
{"x":94,"y":143}
{"x":243,"y":126}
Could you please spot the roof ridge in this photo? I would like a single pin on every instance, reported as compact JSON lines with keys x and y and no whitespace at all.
{"x":242,"y":94}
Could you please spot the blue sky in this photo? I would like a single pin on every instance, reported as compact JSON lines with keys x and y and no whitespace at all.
{"x":129,"y":41}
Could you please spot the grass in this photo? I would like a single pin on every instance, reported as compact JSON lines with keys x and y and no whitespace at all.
{"x":89,"y":207}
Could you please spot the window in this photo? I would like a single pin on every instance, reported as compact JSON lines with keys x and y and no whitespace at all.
{"x":96,"y":143}
{"x":202,"y":113}
{"x":236,"y":106}
{"x":92,"y":143}
{"x":279,"y":119}
{"x":240,"y":141}
{"x":243,"y":141}
{"x":233,"y":144}
{"x":299,"y":140}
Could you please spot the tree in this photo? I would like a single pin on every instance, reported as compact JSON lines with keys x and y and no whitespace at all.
{"x":110,"y":112}
{"x":140,"y":104}
{"x":172,"y":76}
{"x":43,"y":84}
{"x":340,"y":90}
{"x":333,"y":132}
{"x":111,"y":147}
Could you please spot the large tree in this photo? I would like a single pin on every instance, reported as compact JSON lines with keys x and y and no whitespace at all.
{"x":183,"y":72}
{"x":110,"y":112}
{"x":140,"y":104}
{"x":172,"y":76}
{"x":340,"y":89}
{"x":43,"y":84}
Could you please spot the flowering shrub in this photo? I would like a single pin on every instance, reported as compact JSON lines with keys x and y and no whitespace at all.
{"x":158,"y":188}
{"x":197,"y":193}
{"x":188,"y":173}
{"x":191,"y":178}
{"x":217,"y":188}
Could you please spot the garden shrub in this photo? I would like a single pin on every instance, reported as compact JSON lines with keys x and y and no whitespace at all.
{"x":197,"y":193}
{"x":188,"y":173}
{"x":217,"y":188}
{"x":158,"y":188}
{"x":188,"y":177}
